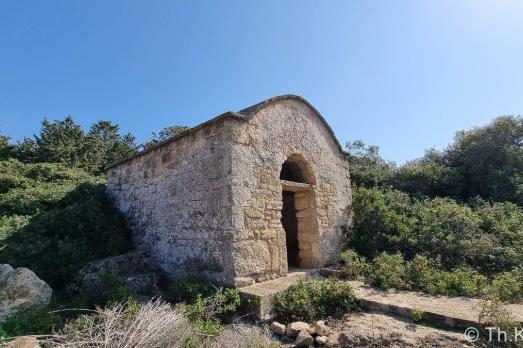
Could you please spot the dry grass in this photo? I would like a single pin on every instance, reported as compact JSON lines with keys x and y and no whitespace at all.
{"x":154,"y":325}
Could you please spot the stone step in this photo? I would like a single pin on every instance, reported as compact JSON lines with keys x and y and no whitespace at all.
{"x":259,"y":298}
{"x":446,"y":312}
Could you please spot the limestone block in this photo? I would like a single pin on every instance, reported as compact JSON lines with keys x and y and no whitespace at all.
{"x":21,"y":288}
{"x":277,"y":328}
{"x":293,"y":329}
{"x":251,"y":257}
{"x":304,"y":339}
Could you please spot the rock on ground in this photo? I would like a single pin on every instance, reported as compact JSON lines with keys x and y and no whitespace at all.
{"x":304,"y":339}
{"x":278,"y":328}
{"x":293,"y":329}
{"x":21,"y":288}
{"x":322,"y":340}
{"x":320,"y":328}
{"x":136,"y":272}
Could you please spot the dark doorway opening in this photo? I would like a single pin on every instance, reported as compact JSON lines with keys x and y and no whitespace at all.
{"x":290,"y":225}
{"x":291,"y":171}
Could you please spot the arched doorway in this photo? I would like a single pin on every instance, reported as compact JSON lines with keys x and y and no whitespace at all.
{"x":299,"y":213}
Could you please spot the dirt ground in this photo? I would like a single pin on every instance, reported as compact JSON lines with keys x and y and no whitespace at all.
{"x":379,"y":330}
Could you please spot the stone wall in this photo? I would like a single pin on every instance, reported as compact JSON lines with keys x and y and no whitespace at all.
{"x":177,"y":199}
{"x":261,"y":146}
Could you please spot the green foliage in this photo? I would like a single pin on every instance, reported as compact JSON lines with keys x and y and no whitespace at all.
{"x":115,"y":288}
{"x":380,"y":220}
{"x":416,"y":314}
{"x":355,"y":266}
{"x":187,"y":290}
{"x":208,"y":327}
{"x":66,"y":143}
{"x":428,"y":176}
{"x":215,"y":307}
{"x":54,"y":219}
{"x":388,"y":271}
{"x":32,"y":321}
{"x":484,"y":161}
{"x":7,"y":150}
{"x":461,"y":281}
{"x":2,"y":334}
{"x":508,"y":286}
{"x":164,"y":134}
{"x":314,"y":299}
{"x":392,"y":271}
{"x":367,"y":167}
{"x":485,"y":236}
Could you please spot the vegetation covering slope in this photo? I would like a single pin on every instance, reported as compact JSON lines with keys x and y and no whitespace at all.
{"x":461,"y":208}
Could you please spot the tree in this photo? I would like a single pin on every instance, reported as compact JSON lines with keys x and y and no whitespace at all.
{"x":107,"y":145}
{"x":7,"y":150}
{"x":367,"y":167}
{"x":65,"y":142}
{"x":490,"y":160}
{"x":61,"y":142}
{"x":164,"y":134}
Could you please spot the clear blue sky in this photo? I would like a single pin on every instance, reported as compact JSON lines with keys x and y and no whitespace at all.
{"x":404,"y":75}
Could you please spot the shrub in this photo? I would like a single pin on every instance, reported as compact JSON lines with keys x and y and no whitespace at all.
{"x":492,"y":312}
{"x":70,"y":220}
{"x":187,"y":290}
{"x":392,"y":271}
{"x":418,"y":269}
{"x":380,"y":222}
{"x":458,"y":282}
{"x":482,"y":235}
{"x":115,"y":289}
{"x":416,"y":314}
{"x":388,"y":271}
{"x":212,"y":308}
{"x":314,"y":299}
{"x":508,"y":286}
{"x":355,"y":266}
{"x":32,"y":321}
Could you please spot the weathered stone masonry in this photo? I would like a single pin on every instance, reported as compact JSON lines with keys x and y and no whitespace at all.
{"x":209,"y":201}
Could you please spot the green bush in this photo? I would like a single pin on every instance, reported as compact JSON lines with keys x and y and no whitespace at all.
{"x":69,"y":220}
{"x":392,"y":271}
{"x":388,"y":271}
{"x":315,"y":299}
{"x":484,"y":236}
{"x":508,"y":286}
{"x":416,"y":314}
{"x":458,"y":282}
{"x":33,"y":321}
{"x":115,"y":289}
{"x":217,"y":307}
{"x":187,"y":290}
{"x":355,"y":266}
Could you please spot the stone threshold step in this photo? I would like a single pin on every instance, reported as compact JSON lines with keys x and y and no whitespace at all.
{"x":258,"y":298}
{"x":447,"y":312}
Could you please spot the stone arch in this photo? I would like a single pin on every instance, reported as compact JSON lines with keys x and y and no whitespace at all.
{"x":299,"y":220}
